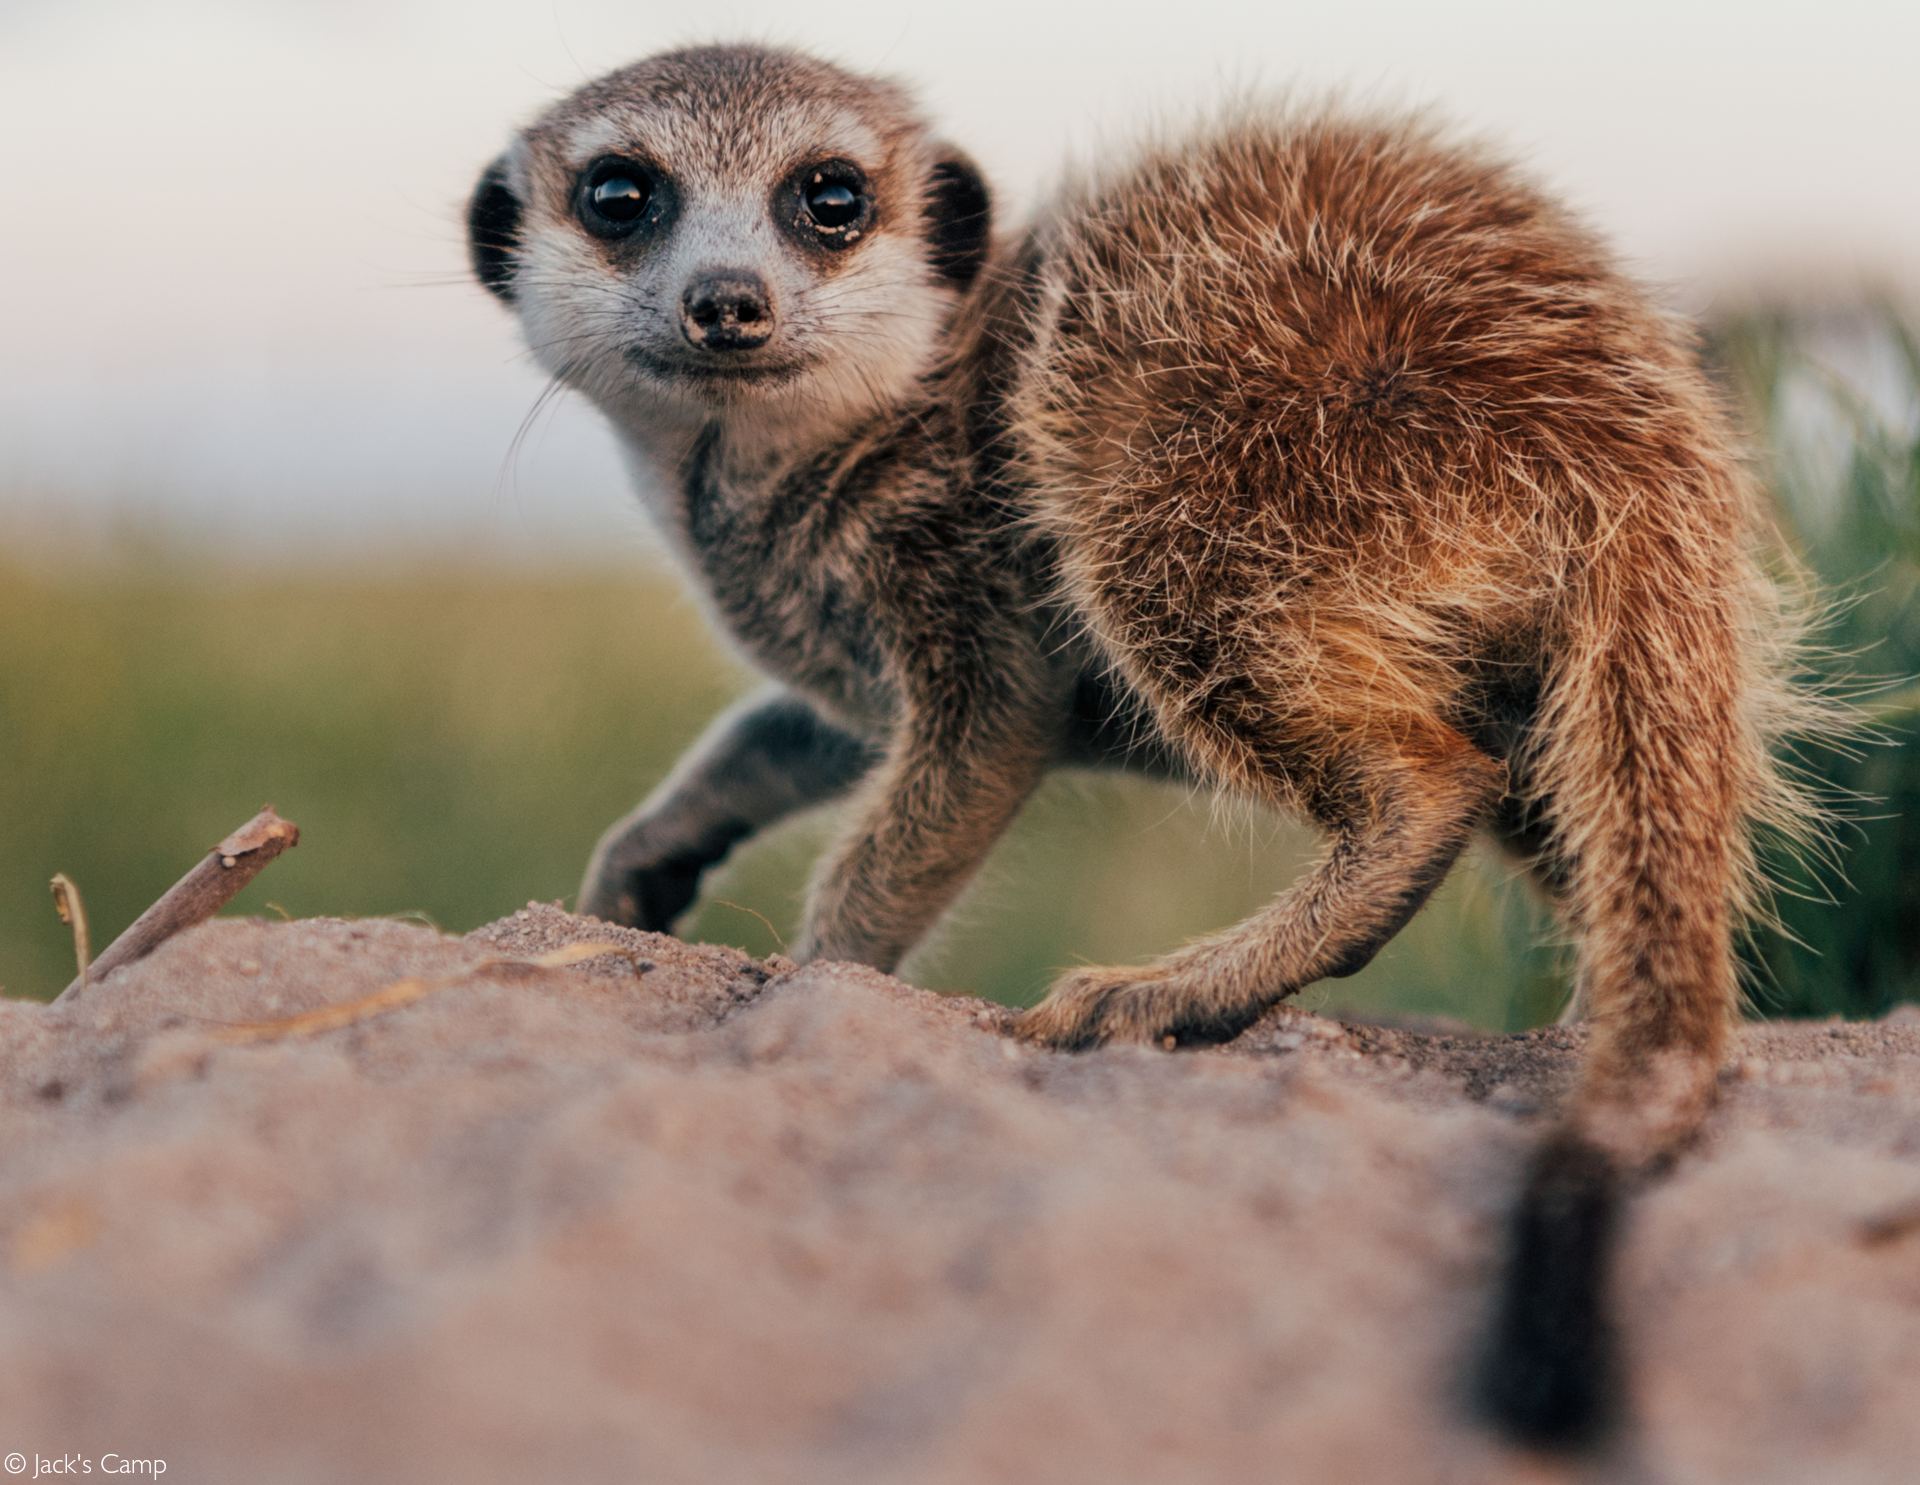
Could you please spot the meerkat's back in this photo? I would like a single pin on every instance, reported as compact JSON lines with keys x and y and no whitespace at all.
{"x":1358,"y":349}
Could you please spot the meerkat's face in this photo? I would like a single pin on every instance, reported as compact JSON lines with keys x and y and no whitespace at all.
{"x":731,"y":232}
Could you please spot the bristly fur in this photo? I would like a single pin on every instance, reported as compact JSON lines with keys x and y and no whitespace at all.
{"x":1311,"y":457}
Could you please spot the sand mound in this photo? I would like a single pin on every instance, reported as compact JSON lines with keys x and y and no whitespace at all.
{"x":681,"y":1216}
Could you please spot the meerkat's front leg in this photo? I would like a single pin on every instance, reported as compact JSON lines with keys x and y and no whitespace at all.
{"x":759,"y":762}
{"x":962,"y":762}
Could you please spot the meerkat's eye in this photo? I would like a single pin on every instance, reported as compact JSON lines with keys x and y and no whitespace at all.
{"x":615,"y":197}
{"x":834,"y":203}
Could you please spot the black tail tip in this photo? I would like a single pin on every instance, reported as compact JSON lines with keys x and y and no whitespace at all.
{"x":1550,"y":1375}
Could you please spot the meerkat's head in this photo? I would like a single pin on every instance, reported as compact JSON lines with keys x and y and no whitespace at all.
{"x":732,"y":231}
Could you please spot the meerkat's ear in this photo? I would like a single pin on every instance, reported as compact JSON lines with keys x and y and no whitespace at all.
{"x":493,"y":230}
{"x":959,"y":217}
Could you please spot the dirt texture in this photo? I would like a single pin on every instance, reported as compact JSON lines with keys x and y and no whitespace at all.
{"x":671,"y":1214}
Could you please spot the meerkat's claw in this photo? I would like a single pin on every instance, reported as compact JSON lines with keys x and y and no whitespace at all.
{"x":1098,"y":1006}
{"x":1073,"y":1017}
{"x":650,"y":897}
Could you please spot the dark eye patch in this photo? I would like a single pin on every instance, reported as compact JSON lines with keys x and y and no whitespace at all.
{"x":834,"y":203}
{"x":618,"y":197}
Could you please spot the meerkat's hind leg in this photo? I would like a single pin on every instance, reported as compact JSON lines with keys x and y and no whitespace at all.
{"x":1398,"y":829}
{"x":1523,"y":824}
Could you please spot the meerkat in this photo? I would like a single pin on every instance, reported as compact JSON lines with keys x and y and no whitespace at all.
{"x":1310,"y":457}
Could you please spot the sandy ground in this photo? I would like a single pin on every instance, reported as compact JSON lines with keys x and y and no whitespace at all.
{"x":680,"y":1216}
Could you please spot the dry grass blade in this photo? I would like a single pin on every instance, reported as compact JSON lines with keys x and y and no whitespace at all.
{"x":73,"y":912}
{"x":764,"y":920}
{"x":400,"y":993}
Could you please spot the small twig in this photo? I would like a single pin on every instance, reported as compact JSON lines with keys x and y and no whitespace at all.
{"x":73,"y":912}
{"x":197,"y":896}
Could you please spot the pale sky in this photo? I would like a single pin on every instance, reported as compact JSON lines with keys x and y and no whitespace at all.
{"x":232,"y":278}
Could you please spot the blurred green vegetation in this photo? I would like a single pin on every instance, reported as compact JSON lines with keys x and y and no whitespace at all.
{"x":451,"y":742}
{"x":1837,"y":400}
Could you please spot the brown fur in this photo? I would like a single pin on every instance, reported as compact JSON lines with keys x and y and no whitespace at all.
{"x":1310,"y":457}
{"x":1342,"y":429}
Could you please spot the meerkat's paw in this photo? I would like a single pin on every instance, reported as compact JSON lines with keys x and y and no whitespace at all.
{"x":640,"y":883}
{"x":1091,"y":1007}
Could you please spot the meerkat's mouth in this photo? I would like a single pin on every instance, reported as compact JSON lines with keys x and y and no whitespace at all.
{"x":714,"y":371}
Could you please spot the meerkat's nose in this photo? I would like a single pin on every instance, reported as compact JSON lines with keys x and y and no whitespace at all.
{"x":727,"y":311}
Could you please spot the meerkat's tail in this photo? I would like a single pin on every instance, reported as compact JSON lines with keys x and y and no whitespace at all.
{"x":1657,"y":763}
{"x":1550,"y":1374}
